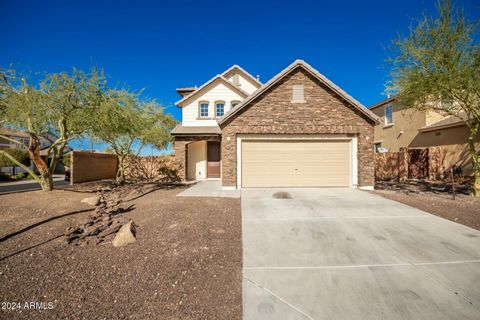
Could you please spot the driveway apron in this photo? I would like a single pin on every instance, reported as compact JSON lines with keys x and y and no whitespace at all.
{"x":349,"y":254}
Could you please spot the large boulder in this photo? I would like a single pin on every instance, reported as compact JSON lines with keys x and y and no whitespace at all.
{"x":125,"y":235}
{"x":93,"y":201}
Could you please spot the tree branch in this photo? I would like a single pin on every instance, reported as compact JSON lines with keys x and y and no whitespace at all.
{"x":13,"y":140}
{"x":21,"y":165}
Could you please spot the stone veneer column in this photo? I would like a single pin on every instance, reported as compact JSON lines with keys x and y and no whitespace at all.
{"x":180,"y":148}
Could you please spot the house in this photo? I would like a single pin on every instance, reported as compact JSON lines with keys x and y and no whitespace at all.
{"x":297,"y":130}
{"x":24,"y":138}
{"x":402,"y":127}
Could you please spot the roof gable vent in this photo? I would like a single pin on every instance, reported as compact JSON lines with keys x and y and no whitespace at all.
{"x":236,"y":80}
{"x":297,"y":93}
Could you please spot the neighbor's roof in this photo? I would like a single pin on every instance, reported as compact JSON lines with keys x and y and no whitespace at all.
{"x":449,"y":122}
{"x":381,"y":103}
{"x":197,"y":130}
{"x":296,"y":64}
{"x":14,"y":133}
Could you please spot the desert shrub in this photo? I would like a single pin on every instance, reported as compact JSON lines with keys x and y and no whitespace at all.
{"x":169,"y":174}
{"x":150,"y":168}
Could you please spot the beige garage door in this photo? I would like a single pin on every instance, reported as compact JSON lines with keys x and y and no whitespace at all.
{"x":296,"y":163}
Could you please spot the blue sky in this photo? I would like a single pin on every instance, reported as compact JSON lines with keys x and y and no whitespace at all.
{"x":161,"y":45}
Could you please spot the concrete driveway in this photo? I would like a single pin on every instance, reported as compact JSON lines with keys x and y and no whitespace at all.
{"x":348,"y":254}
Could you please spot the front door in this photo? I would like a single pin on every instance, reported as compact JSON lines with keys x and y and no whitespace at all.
{"x":213,"y":159}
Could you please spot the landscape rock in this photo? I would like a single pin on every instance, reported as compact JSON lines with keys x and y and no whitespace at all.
{"x":125,"y":235}
{"x":93,"y":201}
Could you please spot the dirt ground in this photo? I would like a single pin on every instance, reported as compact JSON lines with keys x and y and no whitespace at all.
{"x":435,"y":198}
{"x":186,"y":263}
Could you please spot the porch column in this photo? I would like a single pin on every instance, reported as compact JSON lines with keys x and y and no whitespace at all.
{"x":180,"y":148}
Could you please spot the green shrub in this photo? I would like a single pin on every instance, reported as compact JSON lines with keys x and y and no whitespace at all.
{"x":19,"y":154}
{"x":21,"y":175}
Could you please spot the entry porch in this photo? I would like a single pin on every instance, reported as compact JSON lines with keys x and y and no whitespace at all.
{"x":198,"y":157}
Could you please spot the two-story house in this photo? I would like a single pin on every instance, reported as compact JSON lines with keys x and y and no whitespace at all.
{"x":297,"y":130}
{"x":402,"y":127}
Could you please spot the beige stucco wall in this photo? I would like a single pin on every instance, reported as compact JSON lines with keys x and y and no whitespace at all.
{"x":197,"y":160}
{"x":453,"y":146}
{"x":406,"y":123}
{"x":92,"y":166}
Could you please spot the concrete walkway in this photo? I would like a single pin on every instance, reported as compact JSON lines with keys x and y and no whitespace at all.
{"x":209,"y":188}
{"x":348,"y":254}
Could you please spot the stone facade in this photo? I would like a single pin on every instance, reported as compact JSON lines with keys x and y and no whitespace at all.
{"x":180,"y":148}
{"x":323,"y":112}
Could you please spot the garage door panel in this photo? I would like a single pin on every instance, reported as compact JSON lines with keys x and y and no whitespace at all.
{"x":295,"y":163}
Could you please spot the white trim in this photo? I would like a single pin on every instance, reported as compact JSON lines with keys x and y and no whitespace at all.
{"x":353,"y":150}
{"x":354,"y":161}
{"x":366,"y":188}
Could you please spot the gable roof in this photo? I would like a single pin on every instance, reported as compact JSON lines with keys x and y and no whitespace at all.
{"x":217,"y":78}
{"x":300,"y":64}
{"x":222,"y":78}
{"x":382,"y":103}
{"x":247,"y":75}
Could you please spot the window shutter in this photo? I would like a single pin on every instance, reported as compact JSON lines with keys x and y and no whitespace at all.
{"x":297,"y":93}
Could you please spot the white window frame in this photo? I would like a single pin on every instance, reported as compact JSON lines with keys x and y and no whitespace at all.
{"x":215,"y":108}
{"x":387,"y":123}
{"x":200,"y":104}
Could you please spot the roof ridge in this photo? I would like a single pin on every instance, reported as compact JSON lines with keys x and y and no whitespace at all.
{"x":314,"y":72}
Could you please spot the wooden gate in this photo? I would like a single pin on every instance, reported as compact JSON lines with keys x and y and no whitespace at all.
{"x":418,"y":163}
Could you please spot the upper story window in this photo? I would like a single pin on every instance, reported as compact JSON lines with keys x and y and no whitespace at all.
{"x":389,"y":114}
{"x":219,"y":109}
{"x":234,"y":103}
{"x":297,"y":93}
{"x":203,"y":110}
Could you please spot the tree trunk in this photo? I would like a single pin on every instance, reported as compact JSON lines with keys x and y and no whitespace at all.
{"x":46,"y":181}
{"x":121,"y":170}
{"x":475,"y":161}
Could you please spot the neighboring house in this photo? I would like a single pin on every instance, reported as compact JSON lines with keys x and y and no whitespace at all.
{"x":402,"y":127}
{"x":23,"y":137}
{"x":297,"y":130}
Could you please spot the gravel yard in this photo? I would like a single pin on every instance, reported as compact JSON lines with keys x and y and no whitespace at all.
{"x":186,"y":263}
{"x":435,"y":198}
